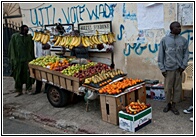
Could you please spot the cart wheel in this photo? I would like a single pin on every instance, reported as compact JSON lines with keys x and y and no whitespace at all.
{"x":57,"y":97}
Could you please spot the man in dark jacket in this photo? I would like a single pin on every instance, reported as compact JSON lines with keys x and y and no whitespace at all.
{"x":172,"y":61}
{"x":20,"y":53}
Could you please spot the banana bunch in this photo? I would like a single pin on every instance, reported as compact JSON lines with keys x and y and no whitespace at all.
{"x":111,"y":37}
{"x":108,"y":38}
{"x":75,"y":41}
{"x":68,"y":41}
{"x":37,"y":36}
{"x":41,"y":37}
{"x":135,"y":107}
{"x":58,"y":39}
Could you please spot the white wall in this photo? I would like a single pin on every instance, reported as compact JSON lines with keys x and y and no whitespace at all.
{"x":140,"y":26}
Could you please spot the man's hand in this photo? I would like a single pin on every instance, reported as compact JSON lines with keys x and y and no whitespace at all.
{"x":164,"y":74}
{"x":180,"y":70}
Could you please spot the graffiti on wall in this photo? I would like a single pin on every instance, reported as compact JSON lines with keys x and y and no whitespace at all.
{"x":127,"y":15}
{"x":138,"y":47}
{"x":146,"y":41}
{"x":71,"y":15}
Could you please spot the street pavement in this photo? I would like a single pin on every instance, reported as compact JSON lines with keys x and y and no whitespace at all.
{"x":74,"y":119}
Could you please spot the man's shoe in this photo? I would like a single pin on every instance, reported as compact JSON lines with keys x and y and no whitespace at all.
{"x":18,"y":94}
{"x":167,"y":108}
{"x":191,"y":119}
{"x":174,"y":110}
{"x":189,"y":110}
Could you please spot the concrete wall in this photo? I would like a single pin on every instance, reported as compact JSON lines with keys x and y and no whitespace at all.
{"x":136,"y":48}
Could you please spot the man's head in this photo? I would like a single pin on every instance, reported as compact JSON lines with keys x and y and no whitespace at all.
{"x":60,"y":28}
{"x":24,"y":29}
{"x":175,"y":28}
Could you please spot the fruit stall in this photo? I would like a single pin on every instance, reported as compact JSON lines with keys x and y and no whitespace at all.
{"x":65,"y":76}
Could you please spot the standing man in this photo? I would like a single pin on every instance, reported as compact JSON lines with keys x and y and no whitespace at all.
{"x":172,"y":61}
{"x":20,"y":53}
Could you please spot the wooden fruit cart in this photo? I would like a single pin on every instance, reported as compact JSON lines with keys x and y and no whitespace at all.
{"x":58,"y":86}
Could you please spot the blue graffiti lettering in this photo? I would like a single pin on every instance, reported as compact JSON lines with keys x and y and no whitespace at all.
{"x":37,"y":22}
{"x":121,"y":29}
{"x":36,"y":18}
{"x":155,"y":48}
{"x":71,"y":14}
{"x":41,"y":24}
{"x":101,"y":10}
{"x":139,"y":50}
{"x":128,"y":15}
{"x":81,"y":10}
{"x":94,"y":13}
{"x":128,"y":47}
{"x":67,"y":18}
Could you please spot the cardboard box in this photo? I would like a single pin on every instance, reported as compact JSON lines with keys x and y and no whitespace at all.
{"x":135,"y":122}
{"x":110,"y":106}
{"x":149,"y":84}
{"x":136,"y":92}
{"x":157,"y":92}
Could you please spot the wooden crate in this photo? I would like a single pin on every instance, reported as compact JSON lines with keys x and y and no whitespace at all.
{"x":55,"y":78}
{"x":110,"y":106}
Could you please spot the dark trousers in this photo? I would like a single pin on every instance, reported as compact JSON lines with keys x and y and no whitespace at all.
{"x":38,"y":86}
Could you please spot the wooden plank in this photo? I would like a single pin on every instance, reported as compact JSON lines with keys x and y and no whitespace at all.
{"x":37,"y":75}
{"x":56,"y":80}
{"x":103,"y":107}
{"x":63,"y":83}
{"x":76,"y":85}
{"x":69,"y":84}
{"x":43,"y":75}
{"x":50,"y":78}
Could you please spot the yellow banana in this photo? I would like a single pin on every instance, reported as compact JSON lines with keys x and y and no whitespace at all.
{"x":132,"y":110}
{"x":77,"y":39}
{"x":78,"y":42}
{"x":138,"y":101}
{"x":68,"y":41}
{"x":87,"y":41}
{"x":46,"y":39}
{"x":110,"y":41}
{"x":42,"y":38}
{"x":38,"y":37}
{"x":62,"y":42}
{"x":96,"y":38}
{"x":34,"y":35}
{"x":57,"y":41}
{"x":84,"y":42}
{"x":73,"y":41}
{"x":103,"y":38}
{"x":92,"y":40}
{"x":106,"y":38}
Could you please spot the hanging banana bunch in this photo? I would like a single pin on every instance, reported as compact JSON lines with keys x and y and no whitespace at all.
{"x":38,"y":37}
{"x":34,"y":35}
{"x":111,"y":38}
